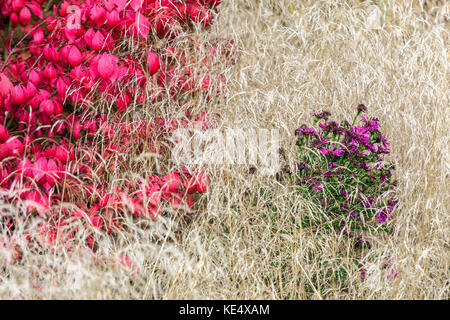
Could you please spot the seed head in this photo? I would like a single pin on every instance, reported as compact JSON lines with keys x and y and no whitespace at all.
{"x":361,"y":108}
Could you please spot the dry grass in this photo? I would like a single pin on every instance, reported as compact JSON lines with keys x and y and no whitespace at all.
{"x":242,"y":243}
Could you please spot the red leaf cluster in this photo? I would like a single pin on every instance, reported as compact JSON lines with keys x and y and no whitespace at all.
{"x":56,"y":146}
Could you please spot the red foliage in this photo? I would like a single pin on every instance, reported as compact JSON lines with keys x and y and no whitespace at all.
{"x":57,"y":68}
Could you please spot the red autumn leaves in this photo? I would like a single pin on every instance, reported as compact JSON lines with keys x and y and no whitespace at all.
{"x":21,"y":11}
{"x":56,"y":145}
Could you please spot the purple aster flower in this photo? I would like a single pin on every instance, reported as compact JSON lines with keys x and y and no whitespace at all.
{"x":352,"y":161}
{"x":364,"y":166}
{"x":302,"y":166}
{"x":332,"y":165}
{"x":331,"y":152}
{"x":328,"y":174}
{"x":344,"y":193}
{"x":392,"y":202}
{"x":371,"y":147}
{"x":360,"y":134}
{"x":362,"y":270}
{"x":322,"y":115}
{"x":305,"y":131}
{"x":309,"y":132}
{"x":382,"y":216}
{"x":331,"y":126}
{"x":344,"y":206}
{"x":368,"y":202}
{"x":370,"y":123}
{"x":359,"y":242}
{"x":393,"y":274}
{"x":385,"y":144}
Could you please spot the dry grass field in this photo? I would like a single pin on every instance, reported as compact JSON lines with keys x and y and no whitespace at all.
{"x":243,"y":240}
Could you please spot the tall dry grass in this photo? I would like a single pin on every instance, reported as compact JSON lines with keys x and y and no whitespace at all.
{"x":243,"y":241}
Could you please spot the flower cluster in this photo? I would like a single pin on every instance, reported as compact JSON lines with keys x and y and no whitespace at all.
{"x":342,"y":169}
{"x":58,"y":142}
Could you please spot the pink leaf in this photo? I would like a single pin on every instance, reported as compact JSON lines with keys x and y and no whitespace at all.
{"x":35,"y":8}
{"x":71,"y":34}
{"x":136,"y":4}
{"x":5,"y":85}
{"x":107,"y":67}
{"x":17,"y":95}
{"x":47,"y":107}
{"x":98,"y":41}
{"x":38,"y":35}
{"x":121,"y":4}
{"x":17,"y":4}
{"x":34,"y":77}
{"x":76,"y":130}
{"x":98,"y":14}
{"x":25,"y":15}
{"x":113,"y":18}
{"x":61,"y":87}
{"x":153,"y":63}
{"x":89,"y":36}
{"x":142,"y":25}
{"x":74,"y":56}
{"x":40,"y":168}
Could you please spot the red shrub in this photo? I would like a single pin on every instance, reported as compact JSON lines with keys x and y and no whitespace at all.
{"x":55,"y":145}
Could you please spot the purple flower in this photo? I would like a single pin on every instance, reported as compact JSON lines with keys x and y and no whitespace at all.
{"x":393,"y":274}
{"x":319,"y":142}
{"x":344,"y":193}
{"x":302,"y":166}
{"x":322,"y":115}
{"x":362,"y":270}
{"x":370,"y":123}
{"x":360,"y":134}
{"x":331,"y":152}
{"x":382,"y":215}
{"x":339,"y":151}
{"x":344,"y":206}
{"x":353,"y":163}
{"x":371,"y":147}
{"x":368,"y":202}
{"x":364,"y":166}
{"x":392,"y":202}
{"x":331,"y":126}
{"x":328,"y":174}
{"x":305,"y":131}
{"x":332,"y":165}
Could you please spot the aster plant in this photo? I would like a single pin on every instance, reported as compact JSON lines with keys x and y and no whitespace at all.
{"x":342,"y":169}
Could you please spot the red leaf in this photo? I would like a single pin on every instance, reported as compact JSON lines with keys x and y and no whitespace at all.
{"x":35,"y":8}
{"x":107,"y":67}
{"x":136,"y":4}
{"x":153,"y":63}
{"x":98,"y":41}
{"x":142,"y":25}
{"x":5,"y":85}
